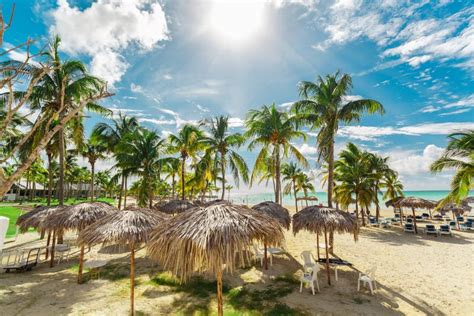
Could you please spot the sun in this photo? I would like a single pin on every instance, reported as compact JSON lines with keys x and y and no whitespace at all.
{"x":236,"y":21}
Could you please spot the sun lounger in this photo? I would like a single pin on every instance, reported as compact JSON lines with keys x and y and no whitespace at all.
{"x":438,"y":217}
{"x":452,"y":224}
{"x":410,"y":220}
{"x":425,"y":216}
{"x":460,"y":219}
{"x":409,"y":228}
{"x":445,"y":230}
{"x":373,"y":221}
{"x":386,"y":223}
{"x":431,"y":230}
{"x":396,"y":218}
{"x":419,"y":218}
{"x":20,"y":260}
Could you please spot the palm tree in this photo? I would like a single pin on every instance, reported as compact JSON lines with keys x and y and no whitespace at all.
{"x":93,"y":150}
{"x":228,"y":188}
{"x":171,"y":166}
{"x":379,"y":169}
{"x":324,"y":106}
{"x":140,"y":154}
{"x":291,"y":172}
{"x":303,"y":182}
{"x":59,"y":92}
{"x":187,"y":144}
{"x":273,"y":131}
{"x":222,"y":144}
{"x":112,"y":134}
{"x":352,"y":170}
{"x":393,"y":186}
{"x":459,"y":155}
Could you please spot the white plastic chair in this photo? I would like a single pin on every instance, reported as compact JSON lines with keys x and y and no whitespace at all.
{"x":308,"y":260}
{"x":368,"y":279}
{"x":260,"y":255}
{"x":310,"y":278}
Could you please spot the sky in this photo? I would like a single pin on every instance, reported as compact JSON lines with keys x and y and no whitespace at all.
{"x":175,"y":62}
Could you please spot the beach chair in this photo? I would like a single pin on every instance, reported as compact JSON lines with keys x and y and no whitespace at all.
{"x":431,"y":230}
{"x":62,"y":252}
{"x":469,"y":225}
{"x":409,"y":228}
{"x":386,"y":223}
{"x":310,"y":278}
{"x":452,"y":224}
{"x":410,"y":220}
{"x":308,"y":260}
{"x":260,"y":255}
{"x":460,"y":219}
{"x":368,"y":279}
{"x":20,"y":260}
{"x":373,"y":221}
{"x":419,"y":218}
{"x":396,"y":217}
{"x":438,"y":217}
{"x":445,"y":230}
{"x":425,"y":216}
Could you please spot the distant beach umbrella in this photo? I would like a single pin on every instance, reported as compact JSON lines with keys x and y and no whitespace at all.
{"x":131,"y":226}
{"x":414,"y":203}
{"x":175,"y":206}
{"x":76,"y":217}
{"x":454,"y":208}
{"x":277,"y":212}
{"x":324,"y":220}
{"x":208,"y":238}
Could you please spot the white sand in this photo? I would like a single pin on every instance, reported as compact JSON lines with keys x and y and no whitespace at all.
{"x":417,"y":275}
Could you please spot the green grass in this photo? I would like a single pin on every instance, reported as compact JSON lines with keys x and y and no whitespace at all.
{"x":12,"y":213}
{"x":69,"y":201}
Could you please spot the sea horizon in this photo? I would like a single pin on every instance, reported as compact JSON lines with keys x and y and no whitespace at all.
{"x":246,"y":198}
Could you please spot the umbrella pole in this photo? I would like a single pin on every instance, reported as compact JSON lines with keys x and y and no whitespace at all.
{"x":81,"y":265}
{"x":327,"y":256}
{"x":47,"y":245}
{"x":51,"y":263}
{"x":317,"y":244}
{"x":265,"y":264}
{"x":414,"y":219}
{"x":220,"y":310}
{"x":132,"y":281}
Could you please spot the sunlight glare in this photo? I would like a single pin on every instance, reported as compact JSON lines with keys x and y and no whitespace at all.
{"x":236,"y":20}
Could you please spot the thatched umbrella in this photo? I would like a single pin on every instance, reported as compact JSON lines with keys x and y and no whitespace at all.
{"x":175,"y":206}
{"x":276,"y":211}
{"x":131,"y":226}
{"x":319,"y":219}
{"x":33,"y":219}
{"x":393,"y":203}
{"x":306,"y":198}
{"x":76,"y":217}
{"x":206,"y":238}
{"x":415,"y":202}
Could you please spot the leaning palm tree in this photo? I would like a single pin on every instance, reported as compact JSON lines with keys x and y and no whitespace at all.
{"x":459,"y":155}
{"x":93,"y":150}
{"x":291,"y":172}
{"x":222,"y":144}
{"x":58,"y":93}
{"x":379,"y":170}
{"x":187,"y":144}
{"x":324,"y":106}
{"x":273,"y":131}
{"x":303,"y":183}
{"x":140,"y":154}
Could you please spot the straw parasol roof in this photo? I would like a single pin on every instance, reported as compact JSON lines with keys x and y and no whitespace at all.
{"x":307,"y":198}
{"x":34,"y":218}
{"x":276,"y":211}
{"x":208,"y":238}
{"x":456,"y":208}
{"x":175,"y":206}
{"x":130,"y":226}
{"x":77,"y":217}
{"x":416,"y":202}
{"x":393,"y":202}
{"x":317,"y":218}
{"x":468,"y":200}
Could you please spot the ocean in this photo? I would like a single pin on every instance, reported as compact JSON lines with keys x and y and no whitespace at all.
{"x":288,"y":200}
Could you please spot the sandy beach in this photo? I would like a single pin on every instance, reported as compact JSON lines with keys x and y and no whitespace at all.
{"x":416,"y":275}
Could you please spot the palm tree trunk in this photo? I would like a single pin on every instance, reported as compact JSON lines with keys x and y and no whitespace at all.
{"x":61,"y":165}
{"x":183,"y":182}
{"x":294,"y":193}
{"x":223,"y":176}
{"x":363,"y":215}
{"x":330,"y":172}
{"x":121,"y":192}
{"x":132,"y":281}
{"x":377,"y":206}
{"x":125,"y":191}
{"x":277,"y":177}
{"x":357,"y":207}
{"x":173,"y":183}
{"x":220,"y":309}
{"x":92,"y":180}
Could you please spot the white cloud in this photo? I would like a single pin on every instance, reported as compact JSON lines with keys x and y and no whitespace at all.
{"x":202,"y":109}
{"x":167,"y":77}
{"x":349,"y":98}
{"x":158,"y":121}
{"x":136,"y":88}
{"x":463,"y":102}
{"x":372,"y":133}
{"x":306,"y":149}
{"x":430,"y":109}
{"x":455,"y":112}
{"x":236,"y":122}
{"x":413,"y":162}
{"x":286,"y":105}
{"x":106,"y":28}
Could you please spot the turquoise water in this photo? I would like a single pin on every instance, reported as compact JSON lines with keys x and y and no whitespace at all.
{"x":322,"y":196}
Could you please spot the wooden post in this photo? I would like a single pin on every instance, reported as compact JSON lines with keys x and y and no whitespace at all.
{"x":51,"y":263}
{"x":327,"y":256}
{"x":47,"y":245}
{"x":265,"y":259}
{"x":220,"y":309}
{"x":317,"y":245}
{"x":132,"y":280}
{"x":414,"y":220}
{"x":81,"y":265}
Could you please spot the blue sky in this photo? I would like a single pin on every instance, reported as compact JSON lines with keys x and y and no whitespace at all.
{"x":173,"y":62}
